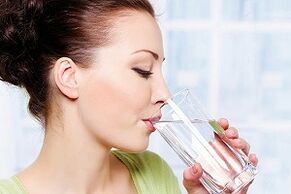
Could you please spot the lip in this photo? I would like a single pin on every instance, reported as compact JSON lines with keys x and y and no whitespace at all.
{"x":149,"y":122}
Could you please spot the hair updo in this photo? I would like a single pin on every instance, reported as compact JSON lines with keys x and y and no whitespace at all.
{"x":35,"y":33}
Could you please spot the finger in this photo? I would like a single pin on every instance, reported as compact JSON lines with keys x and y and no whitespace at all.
{"x":191,"y":179}
{"x":253,"y":158}
{"x":192,"y":174}
{"x":231,"y":133}
{"x":240,"y":144}
{"x":223,"y":123}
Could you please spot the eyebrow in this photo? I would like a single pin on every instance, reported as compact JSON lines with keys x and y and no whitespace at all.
{"x":155,"y":55}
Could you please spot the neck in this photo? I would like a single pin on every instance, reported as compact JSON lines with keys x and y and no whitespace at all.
{"x":71,"y":161}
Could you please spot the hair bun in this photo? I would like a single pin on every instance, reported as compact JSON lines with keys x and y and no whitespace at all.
{"x":19,"y":39}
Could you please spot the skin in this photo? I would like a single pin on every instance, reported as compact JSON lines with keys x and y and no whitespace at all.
{"x":101,"y":107}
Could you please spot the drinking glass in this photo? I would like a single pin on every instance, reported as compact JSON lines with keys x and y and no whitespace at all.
{"x":196,"y":137}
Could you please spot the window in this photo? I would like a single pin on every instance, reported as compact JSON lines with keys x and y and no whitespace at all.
{"x":235,"y":57}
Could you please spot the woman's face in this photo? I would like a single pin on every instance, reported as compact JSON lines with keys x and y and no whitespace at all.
{"x":125,"y":86}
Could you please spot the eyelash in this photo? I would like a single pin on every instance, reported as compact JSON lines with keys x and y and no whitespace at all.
{"x":143,"y":73}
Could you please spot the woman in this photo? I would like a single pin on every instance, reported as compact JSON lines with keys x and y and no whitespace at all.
{"x":93,"y":72}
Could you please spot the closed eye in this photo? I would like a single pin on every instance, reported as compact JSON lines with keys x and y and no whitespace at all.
{"x":143,"y":73}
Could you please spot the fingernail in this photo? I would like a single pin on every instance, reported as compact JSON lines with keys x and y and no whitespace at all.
{"x":194,"y":169}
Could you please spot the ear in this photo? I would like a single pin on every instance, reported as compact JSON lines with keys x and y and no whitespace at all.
{"x":65,"y":77}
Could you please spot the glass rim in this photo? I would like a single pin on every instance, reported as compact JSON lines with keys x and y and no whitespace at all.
{"x":184,"y":94}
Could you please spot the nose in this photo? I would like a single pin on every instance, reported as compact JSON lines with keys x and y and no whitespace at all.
{"x":160,"y":92}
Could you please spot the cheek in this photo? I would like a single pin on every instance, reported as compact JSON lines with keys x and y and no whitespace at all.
{"x":113,"y":102}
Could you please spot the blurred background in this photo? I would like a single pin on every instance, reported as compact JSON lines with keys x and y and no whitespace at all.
{"x":235,"y":56}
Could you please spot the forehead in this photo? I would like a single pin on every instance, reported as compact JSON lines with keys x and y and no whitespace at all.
{"x":137,"y":30}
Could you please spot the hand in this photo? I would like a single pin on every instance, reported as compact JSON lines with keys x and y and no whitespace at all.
{"x":191,"y":175}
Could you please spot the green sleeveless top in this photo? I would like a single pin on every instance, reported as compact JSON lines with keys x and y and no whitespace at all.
{"x":150,"y":174}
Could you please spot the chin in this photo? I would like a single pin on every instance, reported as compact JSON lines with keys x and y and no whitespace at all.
{"x":136,"y":147}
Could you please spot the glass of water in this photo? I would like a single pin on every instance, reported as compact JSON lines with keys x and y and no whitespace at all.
{"x":197,"y":137}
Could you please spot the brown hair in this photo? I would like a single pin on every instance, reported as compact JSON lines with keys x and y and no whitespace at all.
{"x":35,"y":33}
